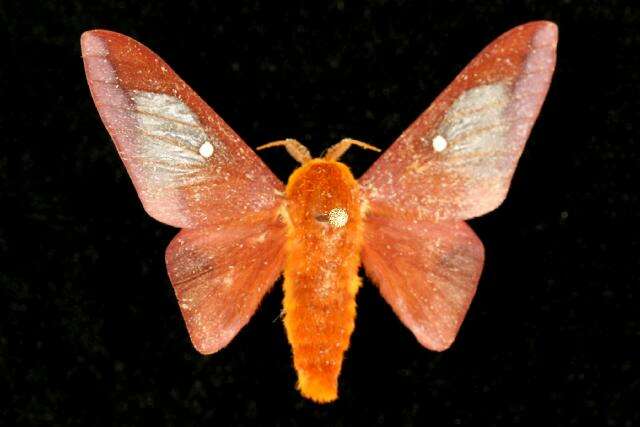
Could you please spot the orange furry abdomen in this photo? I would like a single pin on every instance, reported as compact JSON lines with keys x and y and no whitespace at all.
{"x":321,"y":273}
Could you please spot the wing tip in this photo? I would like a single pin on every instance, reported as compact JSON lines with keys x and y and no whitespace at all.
{"x":539,"y":25}
{"x":536,"y":34}
{"x":543,"y":33}
{"x":546,"y":33}
{"x":205,"y":348}
{"x":204,"y":340}
{"x":92,"y":43}
{"x":439,"y":346}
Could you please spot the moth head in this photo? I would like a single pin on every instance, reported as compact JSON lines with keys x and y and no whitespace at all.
{"x":322,"y":194}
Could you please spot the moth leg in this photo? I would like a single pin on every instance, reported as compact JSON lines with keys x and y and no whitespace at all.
{"x":336,"y":151}
{"x":298,"y":151}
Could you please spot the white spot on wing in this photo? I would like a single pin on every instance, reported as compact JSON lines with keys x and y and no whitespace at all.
{"x":439,"y":143}
{"x":206,"y":150}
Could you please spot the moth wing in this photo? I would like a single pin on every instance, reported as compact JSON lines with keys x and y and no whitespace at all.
{"x":457,"y":159}
{"x":187,"y":165}
{"x":427,"y":271}
{"x":221,"y":273}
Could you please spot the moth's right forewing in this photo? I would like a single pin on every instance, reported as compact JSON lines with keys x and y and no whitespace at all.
{"x":457,"y":159}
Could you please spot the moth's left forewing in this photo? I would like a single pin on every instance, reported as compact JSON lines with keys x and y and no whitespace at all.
{"x":457,"y":159}
{"x":188,"y":166}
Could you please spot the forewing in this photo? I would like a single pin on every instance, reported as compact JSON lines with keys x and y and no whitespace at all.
{"x":220,"y":275}
{"x":457,"y":159}
{"x":427,"y":271}
{"x":188,"y":166}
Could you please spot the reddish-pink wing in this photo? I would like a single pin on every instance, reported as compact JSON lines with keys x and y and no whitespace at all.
{"x":457,"y":159}
{"x":454,"y":162}
{"x":427,"y":271}
{"x":220,"y":274}
{"x":188,"y":166}
{"x":191,"y":171}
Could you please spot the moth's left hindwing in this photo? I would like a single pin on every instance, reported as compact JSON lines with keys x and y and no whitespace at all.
{"x":191,"y":170}
{"x":220,"y":275}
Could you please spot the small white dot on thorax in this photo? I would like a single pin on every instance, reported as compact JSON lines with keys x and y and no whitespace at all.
{"x":439,"y":143}
{"x":338,"y":217}
{"x":206,"y":150}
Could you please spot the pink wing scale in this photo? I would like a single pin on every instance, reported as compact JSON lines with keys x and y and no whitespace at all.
{"x":220,"y":274}
{"x":486,"y":115}
{"x":426,"y":271}
{"x":158,"y":124}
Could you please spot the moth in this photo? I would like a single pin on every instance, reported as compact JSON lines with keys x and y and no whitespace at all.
{"x":403,"y":220}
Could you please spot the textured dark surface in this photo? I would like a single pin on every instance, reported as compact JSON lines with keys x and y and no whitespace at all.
{"x":90,"y":333}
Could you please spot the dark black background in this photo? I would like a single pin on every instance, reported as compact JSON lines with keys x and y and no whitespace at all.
{"x":91,"y":334}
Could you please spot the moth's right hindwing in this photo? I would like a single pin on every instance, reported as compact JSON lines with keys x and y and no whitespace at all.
{"x":427,"y":271}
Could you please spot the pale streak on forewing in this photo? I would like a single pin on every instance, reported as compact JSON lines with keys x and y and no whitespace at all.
{"x":476,"y":130}
{"x":474,"y":125}
{"x":164,"y":105}
{"x":170,"y":137}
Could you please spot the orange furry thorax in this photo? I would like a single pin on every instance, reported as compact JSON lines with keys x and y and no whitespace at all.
{"x":321,"y":273}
